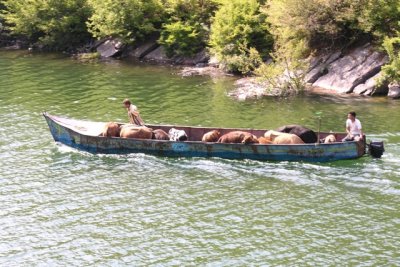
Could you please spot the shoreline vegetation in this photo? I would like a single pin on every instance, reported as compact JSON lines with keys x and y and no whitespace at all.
{"x":279,"y":47}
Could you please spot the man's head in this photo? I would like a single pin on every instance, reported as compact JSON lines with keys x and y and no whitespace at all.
{"x":126,"y":103}
{"x":351,"y":115}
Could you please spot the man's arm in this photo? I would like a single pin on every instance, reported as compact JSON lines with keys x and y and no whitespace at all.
{"x":348,"y":129}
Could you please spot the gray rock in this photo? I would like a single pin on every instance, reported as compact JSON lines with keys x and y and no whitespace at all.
{"x":345,"y":73}
{"x":200,"y":57}
{"x":202,"y":71}
{"x":394,"y":90}
{"x":213,"y":61}
{"x":319,"y":66}
{"x":110,"y":48}
{"x":251,"y":88}
{"x":158,"y":55}
{"x":371,"y":87}
{"x":144,"y":49}
{"x":379,"y":89}
{"x":313,"y":75}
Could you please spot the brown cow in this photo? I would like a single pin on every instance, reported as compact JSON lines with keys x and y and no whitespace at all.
{"x":138,"y":132}
{"x":330,"y":139}
{"x":211,"y":136}
{"x":264,"y":141}
{"x":111,"y":129}
{"x":159,"y":134}
{"x":283,"y":138}
{"x":238,"y":137}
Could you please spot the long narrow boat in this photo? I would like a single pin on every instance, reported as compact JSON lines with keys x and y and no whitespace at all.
{"x":84,"y":135}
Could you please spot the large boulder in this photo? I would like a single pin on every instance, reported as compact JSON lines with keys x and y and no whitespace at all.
{"x":250,"y":88}
{"x":371,"y":87}
{"x":345,"y":73}
{"x":319,"y":66}
{"x":110,"y":47}
{"x":143,"y":49}
{"x":158,"y":55}
{"x":202,"y":71}
{"x":394,"y":90}
{"x":200,"y":58}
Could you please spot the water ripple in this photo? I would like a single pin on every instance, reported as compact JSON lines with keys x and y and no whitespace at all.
{"x":65,"y":207}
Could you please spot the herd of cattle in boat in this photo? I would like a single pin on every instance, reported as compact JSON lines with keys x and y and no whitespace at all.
{"x":289,"y":134}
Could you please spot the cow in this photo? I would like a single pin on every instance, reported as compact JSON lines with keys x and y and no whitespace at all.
{"x":177,"y":135}
{"x":159,"y":134}
{"x":211,"y":136}
{"x":282,"y":138}
{"x":111,"y":129}
{"x":238,"y":137}
{"x":330,"y":139}
{"x":138,"y":132}
{"x":264,"y":141}
{"x":307,"y":135}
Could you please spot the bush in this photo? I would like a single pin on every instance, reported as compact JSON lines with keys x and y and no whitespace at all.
{"x":56,"y":24}
{"x":319,"y":24}
{"x":391,"y":71}
{"x":381,"y":18}
{"x":187,"y":28}
{"x":238,"y":26}
{"x":129,"y":20}
{"x":182,"y":38}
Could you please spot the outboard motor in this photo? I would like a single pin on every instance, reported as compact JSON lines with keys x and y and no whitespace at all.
{"x":376,"y":149}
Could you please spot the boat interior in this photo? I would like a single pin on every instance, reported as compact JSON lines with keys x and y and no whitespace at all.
{"x":194,"y":133}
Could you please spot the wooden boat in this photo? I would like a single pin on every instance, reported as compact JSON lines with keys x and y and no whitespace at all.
{"x":84,"y":135}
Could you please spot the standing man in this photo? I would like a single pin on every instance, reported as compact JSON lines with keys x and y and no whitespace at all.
{"x":353,"y":128}
{"x":133,"y":113}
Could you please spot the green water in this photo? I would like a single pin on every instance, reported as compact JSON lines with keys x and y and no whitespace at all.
{"x":62,"y":207}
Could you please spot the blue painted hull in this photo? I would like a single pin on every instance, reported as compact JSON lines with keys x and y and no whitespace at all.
{"x":74,"y":133}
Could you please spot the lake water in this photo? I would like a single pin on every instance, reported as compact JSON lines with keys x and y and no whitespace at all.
{"x":60,"y":206}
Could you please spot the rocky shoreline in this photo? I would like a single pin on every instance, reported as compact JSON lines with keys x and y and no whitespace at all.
{"x":355,"y":71}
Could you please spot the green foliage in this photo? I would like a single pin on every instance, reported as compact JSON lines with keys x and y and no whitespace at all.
{"x":57,"y":24}
{"x":285,"y":75}
{"x":238,"y":24}
{"x":391,"y":71}
{"x":186,"y":30}
{"x":381,"y":18}
{"x":319,"y":24}
{"x":182,"y":38}
{"x":127,"y":19}
{"x":245,"y":62}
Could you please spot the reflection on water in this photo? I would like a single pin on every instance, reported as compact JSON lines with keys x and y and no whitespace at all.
{"x":65,"y":207}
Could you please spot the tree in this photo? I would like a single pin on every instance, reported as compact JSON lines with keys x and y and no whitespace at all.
{"x":129,"y":20}
{"x":56,"y":24}
{"x":381,"y":18}
{"x":238,"y":26}
{"x":318,"y":24}
{"x":186,"y":30}
{"x":391,"y":71}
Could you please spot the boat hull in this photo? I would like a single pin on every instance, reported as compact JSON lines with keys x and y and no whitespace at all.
{"x":69,"y":136}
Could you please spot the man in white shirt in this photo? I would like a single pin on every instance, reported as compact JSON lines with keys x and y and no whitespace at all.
{"x":133,"y":113}
{"x":353,"y":128}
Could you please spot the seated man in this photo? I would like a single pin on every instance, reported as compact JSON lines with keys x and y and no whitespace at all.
{"x":133,"y":113}
{"x":353,"y":128}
